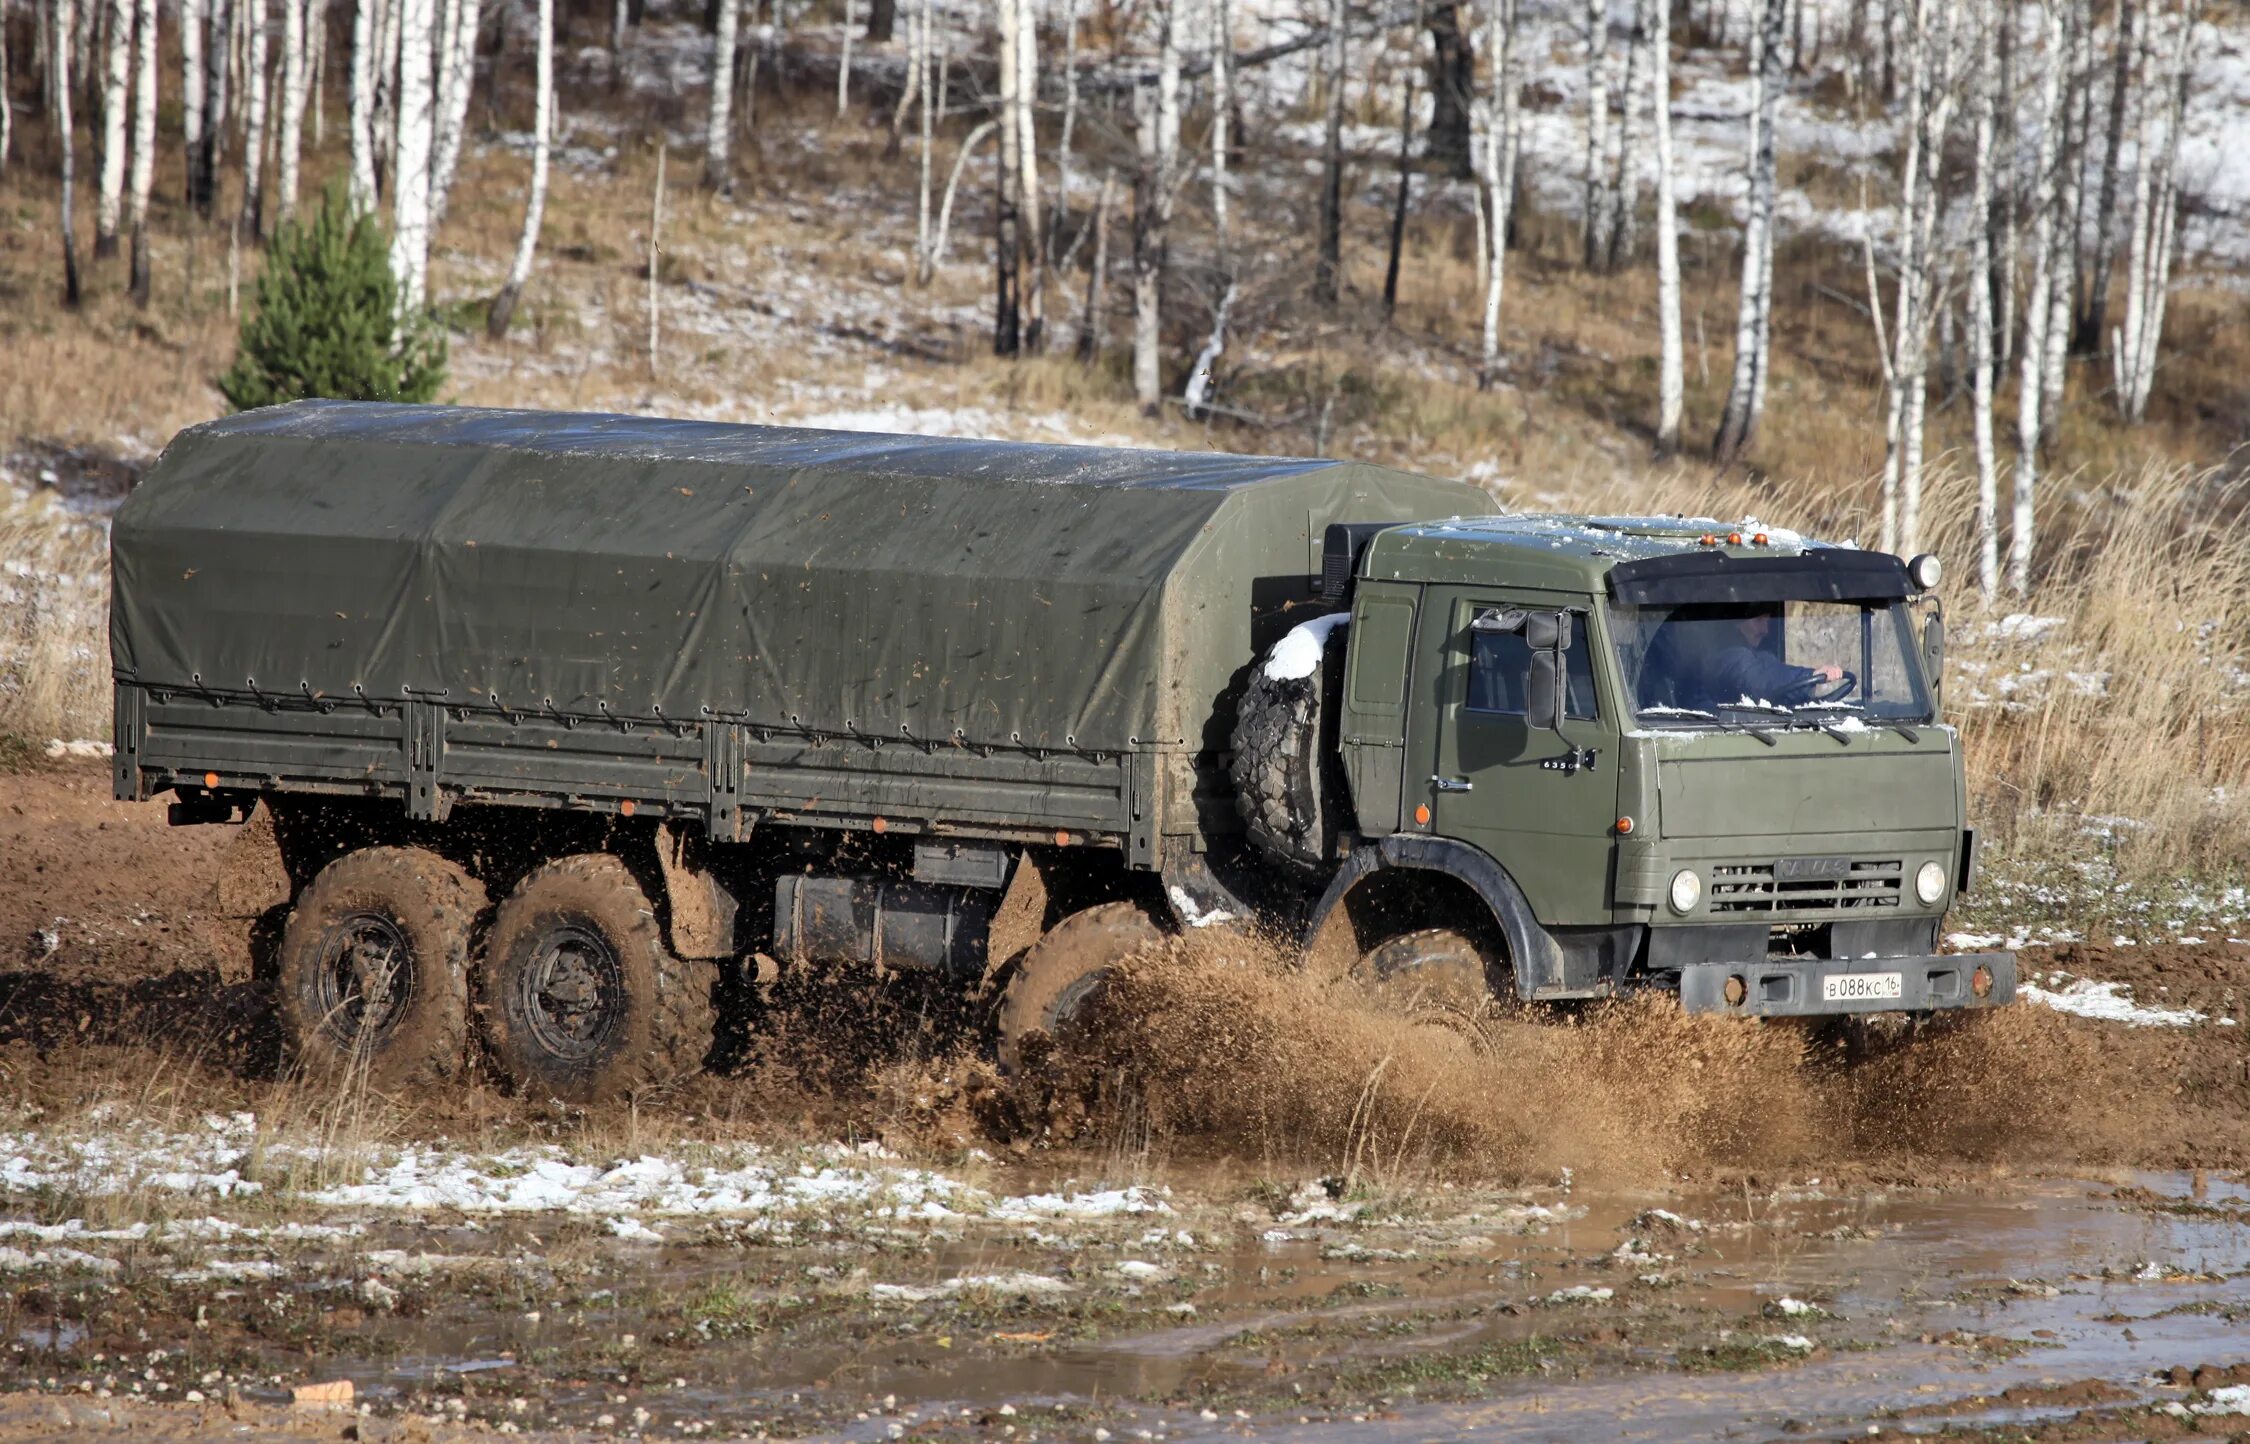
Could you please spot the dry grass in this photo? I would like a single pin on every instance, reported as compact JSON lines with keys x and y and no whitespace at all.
{"x":54,"y":620}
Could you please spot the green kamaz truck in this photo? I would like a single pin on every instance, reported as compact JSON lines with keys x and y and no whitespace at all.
{"x":538,"y":728}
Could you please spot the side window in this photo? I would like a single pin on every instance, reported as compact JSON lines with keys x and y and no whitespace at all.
{"x":1499,"y":660}
{"x":1385,"y":629}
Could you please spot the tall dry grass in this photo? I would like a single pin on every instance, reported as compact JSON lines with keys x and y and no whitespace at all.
{"x":54,"y":620}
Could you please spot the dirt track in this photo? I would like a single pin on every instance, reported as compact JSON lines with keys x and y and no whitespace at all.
{"x":2015,"y":1223}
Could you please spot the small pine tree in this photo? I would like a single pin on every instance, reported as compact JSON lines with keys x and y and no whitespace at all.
{"x":324,"y":320}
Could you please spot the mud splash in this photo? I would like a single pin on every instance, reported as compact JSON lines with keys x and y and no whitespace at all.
{"x":1224,"y":1049}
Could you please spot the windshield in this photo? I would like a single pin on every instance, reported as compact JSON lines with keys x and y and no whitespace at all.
{"x":1770,"y":663}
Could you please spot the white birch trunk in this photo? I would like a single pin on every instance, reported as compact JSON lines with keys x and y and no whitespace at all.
{"x":254,"y":135}
{"x":844,"y":64}
{"x":117,"y":74}
{"x":7,"y":111}
{"x":194,"y":16}
{"x":1031,"y":232}
{"x":2036,"y":312}
{"x":410,"y":175}
{"x":969,"y":144}
{"x":1670,"y":385}
{"x":145,"y":39}
{"x":2155,"y":210}
{"x":1157,"y":121}
{"x":535,"y":206}
{"x":1980,"y":320}
{"x":1496,"y":173}
{"x":1595,"y":223}
{"x":1935,"y":72}
{"x":922,"y":239}
{"x":2068,"y":233}
{"x":217,"y":101}
{"x":1222,"y":108}
{"x":385,"y":124}
{"x":1007,"y":320}
{"x":295,"y":52}
{"x":655,"y":249}
{"x":1198,"y":392}
{"x":1738,"y":425}
{"x":718,"y":123}
{"x":363,"y":106}
{"x":1064,"y":143}
{"x":457,"y":61}
{"x":316,"y":49}
{"x":1625,"y":180}
{"x":65,"y":26}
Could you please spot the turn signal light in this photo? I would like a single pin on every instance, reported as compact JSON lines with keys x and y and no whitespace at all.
{"x":1980,"y":981}
{"x":210,"y":779}
{"x":1422,"y":815}
{"x":1624,"y":826}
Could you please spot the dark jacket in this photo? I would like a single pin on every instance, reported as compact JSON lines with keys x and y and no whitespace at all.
{"x":1733,"y":673}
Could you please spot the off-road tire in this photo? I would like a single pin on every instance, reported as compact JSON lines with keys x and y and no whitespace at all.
{"x":1288,"y":783}
{"x":1058,"y":986}
{"x":1433,"y":975}
{"x":377,"y":904}
{"x":650,"y":1017}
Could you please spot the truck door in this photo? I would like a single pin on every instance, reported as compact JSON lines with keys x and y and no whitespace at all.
{"x":1542,"y":803}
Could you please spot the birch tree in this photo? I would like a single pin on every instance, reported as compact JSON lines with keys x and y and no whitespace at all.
{"x":1496,"y":169}
{"x":1595,"y":224}
{"x":65,"y":26}
{"x":2123,"y":70}
{"x":1222,"y":106}
{"x":2148,"y":265}
{"x":410,"y":176}
{"x":254,"y":116}
{"x":144,"y":144}
{"x":456,"y":79}
{"x":362,"y":101}
{"x":203,"y":174}
{"x":195,"y":15}
{"x":116,"y":78}
{"x":1031,"y":234}
{"x":2037,"y":312}
{"x":295,"y":75}
{"x":1738,"y":423}
{"x":7,"y":111}
{"x":542,"y":131}
{"x":718,"y":123}
{"x":1671,"y":348}
{"x":2069,"y":230}
{"x":1156,"y":126}
{"x":1625,"y":180}
{"x":1007,"y":253}
{"x":1982,"y":89}
{"x":1328,"y":270}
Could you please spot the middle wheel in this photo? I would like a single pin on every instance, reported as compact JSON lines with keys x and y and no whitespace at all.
{"x":578,"y":996}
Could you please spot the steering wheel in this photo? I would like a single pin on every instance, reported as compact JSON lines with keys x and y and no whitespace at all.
{"x":1841,"y":688}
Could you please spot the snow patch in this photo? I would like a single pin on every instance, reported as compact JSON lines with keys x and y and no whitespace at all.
{"x":1297,"y":656}
{"x":2107,"y":1002}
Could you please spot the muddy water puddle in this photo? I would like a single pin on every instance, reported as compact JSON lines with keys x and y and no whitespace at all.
{"x":1549,"y":1314}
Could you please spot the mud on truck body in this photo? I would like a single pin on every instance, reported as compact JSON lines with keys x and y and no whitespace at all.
{"x":539,"y":729}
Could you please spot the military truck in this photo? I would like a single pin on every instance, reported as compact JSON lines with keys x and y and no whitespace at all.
{"x":539,"y":728}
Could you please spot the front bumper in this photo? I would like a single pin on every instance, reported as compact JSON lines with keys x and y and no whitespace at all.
{"x":1817,"y":987}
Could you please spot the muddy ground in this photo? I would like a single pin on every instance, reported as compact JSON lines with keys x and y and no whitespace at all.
{"x":1267,"y":1213}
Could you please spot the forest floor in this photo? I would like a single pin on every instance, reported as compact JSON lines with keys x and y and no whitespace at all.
{"x":2034,"y":1226}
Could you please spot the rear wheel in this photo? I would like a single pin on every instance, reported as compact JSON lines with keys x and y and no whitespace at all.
{"x":578,"y":995}
{"x":373,"y":968}
{"x":1058,"y":989}
{"x":1438,"y":975}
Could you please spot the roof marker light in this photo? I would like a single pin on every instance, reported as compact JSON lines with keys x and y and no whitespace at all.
{"x":1759,"y":540}
{"x":1709,"y":540}
{"x":1734,"y":538}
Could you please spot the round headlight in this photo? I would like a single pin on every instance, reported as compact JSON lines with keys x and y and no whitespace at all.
{"x":1929,"y":882}
{"x":1687,"y":890}
{"x":1925,"y":571}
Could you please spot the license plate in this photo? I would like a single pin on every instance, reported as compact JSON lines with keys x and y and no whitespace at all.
{"x":1857,"y":987}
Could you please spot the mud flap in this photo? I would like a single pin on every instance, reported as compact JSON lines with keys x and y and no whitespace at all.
{"x":252,"y":882}
{"x":702,"y":909}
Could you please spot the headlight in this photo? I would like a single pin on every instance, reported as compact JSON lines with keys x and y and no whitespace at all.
{"x":1929,"y":882}
{"x":1687,"y":890}
{"x":1925,"y":571}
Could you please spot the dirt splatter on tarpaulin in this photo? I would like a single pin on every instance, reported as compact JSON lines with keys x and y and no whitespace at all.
{"x":1221,"y":1048}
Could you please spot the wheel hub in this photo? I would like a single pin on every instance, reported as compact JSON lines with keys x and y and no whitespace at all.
{"x":572,"y":996}
{"x":365,"y":979}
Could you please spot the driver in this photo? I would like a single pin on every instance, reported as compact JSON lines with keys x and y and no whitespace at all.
{"x":1741,"y":666}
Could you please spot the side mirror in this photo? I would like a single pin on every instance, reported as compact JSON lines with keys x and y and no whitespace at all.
{"x":1547,"y":631}
{"x":1543,"y":692}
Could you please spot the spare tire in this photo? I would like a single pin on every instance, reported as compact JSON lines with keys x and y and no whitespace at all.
{"x":1288,"y":779}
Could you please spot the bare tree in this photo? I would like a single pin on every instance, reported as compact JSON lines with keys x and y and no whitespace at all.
{"x":2070,"y":231}
{"x":1595,"y":223}
{"x":65,"y":26}
{"x":535,"y":205}
{"x":1496,"y":172}
{"x":1222,"y":104}
{"x":844,"y":63}
{"x":1625,"y":180}
{"x":1007,"y":252}
{"x":922,"y":48}
{"x":2037,"y":313}
{"x":1031,"y":235}
{"x":2093,"y":315}
{"x":144,"y":143}
{"x":410,"y":175}
{"x":194,"y":16}
{"x":1156,"y":122}
{"x":117,"y":70}
{"x":1738,"y":424}
{"x":1328,"y":270}
{"x":456,"y":79}
{"x":718,"y":123}
{"x":254,"y":133}
{"x":1671,"y":349}
{"x":203,"y":168}
{"x":2148,"y":273}
{"x":1092,"y":322}
{"x":296,"y":51}
{"x":7,"y":111}
{"x":1982,"y":86}
{"x":363,"y":106}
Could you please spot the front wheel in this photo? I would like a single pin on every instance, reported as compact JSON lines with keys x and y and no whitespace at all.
{"x":579,"y":997}
{"x":1435,"y":975}
{"x":373,"y":969}
{"x":1058,"y":989}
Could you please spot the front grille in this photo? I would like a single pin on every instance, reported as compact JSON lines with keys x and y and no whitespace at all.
{"x":1750,"y":887}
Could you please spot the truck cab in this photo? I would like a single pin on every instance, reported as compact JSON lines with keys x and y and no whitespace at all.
{"x":1663,"y":752}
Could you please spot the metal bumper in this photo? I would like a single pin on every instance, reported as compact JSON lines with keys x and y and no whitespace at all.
{"x":1799,"y":987}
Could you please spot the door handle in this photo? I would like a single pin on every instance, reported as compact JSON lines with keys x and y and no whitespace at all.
{"x":1453,"y":784}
